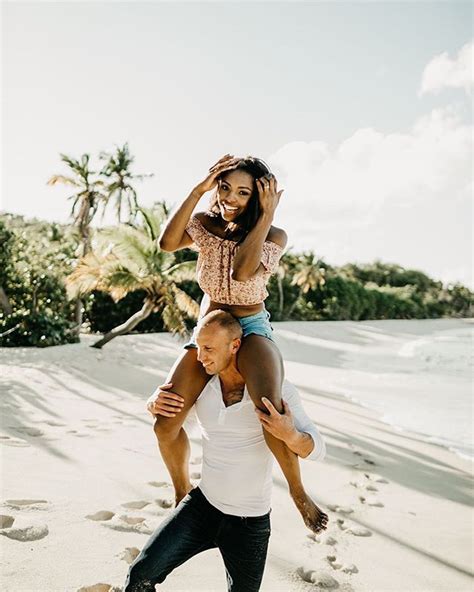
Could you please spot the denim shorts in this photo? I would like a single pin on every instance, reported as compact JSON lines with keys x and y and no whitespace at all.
{"x":256,"y":324}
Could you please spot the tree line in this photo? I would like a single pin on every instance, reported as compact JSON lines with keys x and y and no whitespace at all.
{"x":57,"y":280}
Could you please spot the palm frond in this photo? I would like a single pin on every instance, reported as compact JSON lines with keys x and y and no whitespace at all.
{"x":181,"y":272}
{"x":173,"y":319}
{"x":185,"y":303}
{"x":55,"y":179}
{"x":130,"y":245}
{"x":122,"y":281}
{"x":87,"y":276}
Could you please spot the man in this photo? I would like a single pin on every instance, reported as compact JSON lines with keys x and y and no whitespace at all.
{"x":230,"y":508}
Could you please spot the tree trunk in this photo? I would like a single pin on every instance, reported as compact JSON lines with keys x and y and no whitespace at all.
{"x":5,"y":303}
{"x":78,"y":308}
{"x":293,"y":306}
{"x":280,"y":297}
{"x":128,"y":326}
{"x":78,"y":305}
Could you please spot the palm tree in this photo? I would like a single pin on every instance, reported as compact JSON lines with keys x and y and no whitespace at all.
{"x":128,"y":258}
{"x":120,"y":179}
{"x":310,"y":275}
{"x":88,"y":196}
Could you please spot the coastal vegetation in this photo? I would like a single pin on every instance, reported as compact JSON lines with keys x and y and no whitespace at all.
{"x":57,"y":280}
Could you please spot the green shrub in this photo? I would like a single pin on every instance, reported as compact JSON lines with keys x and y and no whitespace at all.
{"x":35,"y":259}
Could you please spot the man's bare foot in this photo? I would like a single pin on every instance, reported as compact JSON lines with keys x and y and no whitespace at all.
{"x":314,"y":518}
{"x":182,"y":493}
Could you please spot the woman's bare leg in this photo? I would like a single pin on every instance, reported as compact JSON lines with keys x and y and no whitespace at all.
{"x":260,"y":363}
{"x":188,"y":378}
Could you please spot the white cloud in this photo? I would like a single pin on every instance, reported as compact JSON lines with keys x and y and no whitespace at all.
{"x":443,"y":72}
{"x":354,"y":201}
{"x":353,"y":182}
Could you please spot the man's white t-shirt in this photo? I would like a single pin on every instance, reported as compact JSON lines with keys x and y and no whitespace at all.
{"x":236,"y":462}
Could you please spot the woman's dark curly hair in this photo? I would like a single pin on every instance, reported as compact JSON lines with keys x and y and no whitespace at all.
{"x":244,"y":223}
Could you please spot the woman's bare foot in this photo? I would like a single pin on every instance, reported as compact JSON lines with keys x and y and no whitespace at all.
{"x":314,"y":518}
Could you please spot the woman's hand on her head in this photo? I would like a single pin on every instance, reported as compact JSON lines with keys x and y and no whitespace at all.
{"x":268,"y":194}
{"x":226,"y":163}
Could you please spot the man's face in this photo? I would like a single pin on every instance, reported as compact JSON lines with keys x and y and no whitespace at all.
{"x":215,"y":348}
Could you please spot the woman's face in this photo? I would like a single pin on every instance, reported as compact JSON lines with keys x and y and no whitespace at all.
{"x":234,"y":192}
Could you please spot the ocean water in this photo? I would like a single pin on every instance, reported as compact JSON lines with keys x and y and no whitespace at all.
{"x":417,"y":374}
{"x":444,"y":413}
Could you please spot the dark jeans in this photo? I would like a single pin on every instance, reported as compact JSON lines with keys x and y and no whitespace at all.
{"x":196,"y":526}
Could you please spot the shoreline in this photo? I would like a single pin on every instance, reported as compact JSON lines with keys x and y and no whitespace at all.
{"x":79,"y":459}
{"x":464,"y":450}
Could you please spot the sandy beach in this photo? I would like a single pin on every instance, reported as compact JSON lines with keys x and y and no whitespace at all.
{"x":83,"y":484}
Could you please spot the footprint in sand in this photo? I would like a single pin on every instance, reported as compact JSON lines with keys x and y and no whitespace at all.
{"x":22,"y":531}
{"x":197,"y":460}
{"x":29,"y":431}
{"x":129,"y":554}
{"x":196,"y":475}
{"x":359,"y":531}
{"x":124,"y":522}
{"x":139,"y":505}
{"x":317,"y":577}
{"x":350,"y":568}
{"x":353,"y":528}
{"x":337,"y":563}
{"x":371,"y":500}
{"x":101,"y":516}
{"x":9,"y":441}
{"x":363,"y":466}
{"x":128,"y":524}
{"x":366,"y":484}
{"x":164,"y":503}
{"x":19,"y":504}
{"x":340,"y":509}
{"x":99,"y":588}
{"x":334,"y":562}
{"x":159,"y":484}
{"x":323,"y":539}
{"x":132,"y":520}
{"x":375,"y":477}
{"x":6,"y":521}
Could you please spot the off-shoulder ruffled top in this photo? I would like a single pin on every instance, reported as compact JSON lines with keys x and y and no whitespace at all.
{"x":214,"y":267}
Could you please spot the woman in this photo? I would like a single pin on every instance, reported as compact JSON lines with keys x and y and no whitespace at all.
{"x":239,"y":249}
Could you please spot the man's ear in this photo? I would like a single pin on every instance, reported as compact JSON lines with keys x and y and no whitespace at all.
{"x":236,"y":343}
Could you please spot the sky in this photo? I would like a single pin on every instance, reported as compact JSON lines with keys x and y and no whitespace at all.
{"x":362,"y":109}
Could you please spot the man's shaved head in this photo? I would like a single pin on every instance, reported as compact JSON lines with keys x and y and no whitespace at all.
{"x":225,"y":320}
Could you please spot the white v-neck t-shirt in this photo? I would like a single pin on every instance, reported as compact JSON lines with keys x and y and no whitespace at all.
{"x":237,"y":464}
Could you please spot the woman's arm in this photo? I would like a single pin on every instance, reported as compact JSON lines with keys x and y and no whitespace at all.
{"x":248,"y":258}
{"x":174,"y":236}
